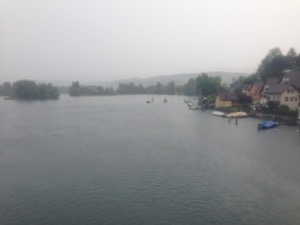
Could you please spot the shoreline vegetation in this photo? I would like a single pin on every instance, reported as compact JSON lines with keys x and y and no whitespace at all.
{"x":29,"y":90}
{"x":204,"y":87}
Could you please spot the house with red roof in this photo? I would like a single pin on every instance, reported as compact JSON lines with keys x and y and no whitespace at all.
{"x":255,"y":91}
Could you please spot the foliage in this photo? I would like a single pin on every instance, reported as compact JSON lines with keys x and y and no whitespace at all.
{"x":6,"y":89}
{"x":275,"y":63}
{"x":238,"y":90}
{"x":27,"y":89}
{"x":284,"y":107}
{"x":180,"y":89}
{"x":159,"y":88}
{"x":250,"y":79}
{"x":75,"y":89}
{"x":171,"y":89}
{"x":272,"y":65}
{"x":277,"y":109}
{"x":190,"y":88}
{"x":291,"y":58}
{"x":48,"y":91}
{"x":207,"y":85}
{"x":131,"y":88}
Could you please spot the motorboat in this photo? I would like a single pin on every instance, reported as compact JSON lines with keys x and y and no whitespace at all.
{"x":195,"y":107}
{"x":218,"y":113}
{"x":236,"y":115}
{"x":267,"y":124}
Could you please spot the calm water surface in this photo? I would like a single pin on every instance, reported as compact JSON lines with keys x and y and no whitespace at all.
{"x":118,"y":160}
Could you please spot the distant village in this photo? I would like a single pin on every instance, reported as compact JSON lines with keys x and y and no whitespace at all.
{"x":274,"y":89}
{"x":275,"y":95}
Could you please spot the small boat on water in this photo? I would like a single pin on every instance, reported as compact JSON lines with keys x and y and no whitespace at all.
{"x":236,"y":115}
{"x":195,"y":107}
{"x":267,"y":124}
{"x":165,"y":100}
{"x":218,"y":113}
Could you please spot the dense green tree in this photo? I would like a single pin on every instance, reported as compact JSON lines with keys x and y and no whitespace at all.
{"x":238,"y":90}
{"x":53,"y":92}
{"x":242,"y":81}
{"x":207,"y":85}
{"x":291,"y":58}
{"x":130,"y":88}
{"x":171,"y":88}
{"x":273,"y":64}
{"x":159,"y":88}
{"x":109,"y":91}
{"x":237,"y":82}
{"x":74,"y":89}
{"x":250,"y":79}
{"x":7,"y":89}
{"x":180,"y":89}
{"x":100,"y":90}
{"x":43,"y":91}
{"x":297,"y":63}
{"x":141,"y":89}
{"x":190,"y":88}
{"x":27,"y":89}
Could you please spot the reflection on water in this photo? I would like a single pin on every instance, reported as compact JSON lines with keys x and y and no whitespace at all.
{"x":118,"y":160}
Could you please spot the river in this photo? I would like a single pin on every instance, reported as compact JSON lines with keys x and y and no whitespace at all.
{"x":117,"y":160}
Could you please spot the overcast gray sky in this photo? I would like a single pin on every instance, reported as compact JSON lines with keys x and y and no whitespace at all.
{"x":97,"y":40}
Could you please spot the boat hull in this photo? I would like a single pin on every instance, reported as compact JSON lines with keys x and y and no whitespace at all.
{"x":237,"y":115}
{"x":267,"y":124}
{"x":218,"y":113}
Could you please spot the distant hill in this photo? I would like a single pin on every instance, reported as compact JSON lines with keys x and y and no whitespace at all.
{"x":179,"y":79}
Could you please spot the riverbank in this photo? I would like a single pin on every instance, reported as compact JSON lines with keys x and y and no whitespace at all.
{"x":280,"y":118}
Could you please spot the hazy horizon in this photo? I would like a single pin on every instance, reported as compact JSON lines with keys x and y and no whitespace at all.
{"x":114,"y":40}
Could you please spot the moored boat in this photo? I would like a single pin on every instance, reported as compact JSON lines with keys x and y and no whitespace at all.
{"x":218,"y":113}
{"x":236,"y":115}
{"x":267,"y":124}
{"x":195,"y":107}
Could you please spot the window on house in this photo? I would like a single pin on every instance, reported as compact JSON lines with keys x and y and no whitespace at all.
{"x":291,"y":99}
{"x":286,"y":99}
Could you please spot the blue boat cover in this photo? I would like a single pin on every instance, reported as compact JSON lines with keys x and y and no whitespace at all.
{"x":268,"y":124}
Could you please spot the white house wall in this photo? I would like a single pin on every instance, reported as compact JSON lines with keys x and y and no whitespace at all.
{"x":293,"y":99}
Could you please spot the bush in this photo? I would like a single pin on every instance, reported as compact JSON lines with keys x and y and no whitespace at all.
{"x":27,"y":89}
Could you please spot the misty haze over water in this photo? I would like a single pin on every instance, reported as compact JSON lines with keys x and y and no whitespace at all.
{"x":120,"y":39}
{"x":118,"y":160}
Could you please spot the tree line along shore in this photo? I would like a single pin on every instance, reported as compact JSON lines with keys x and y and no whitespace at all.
{"x":205,"y":87}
